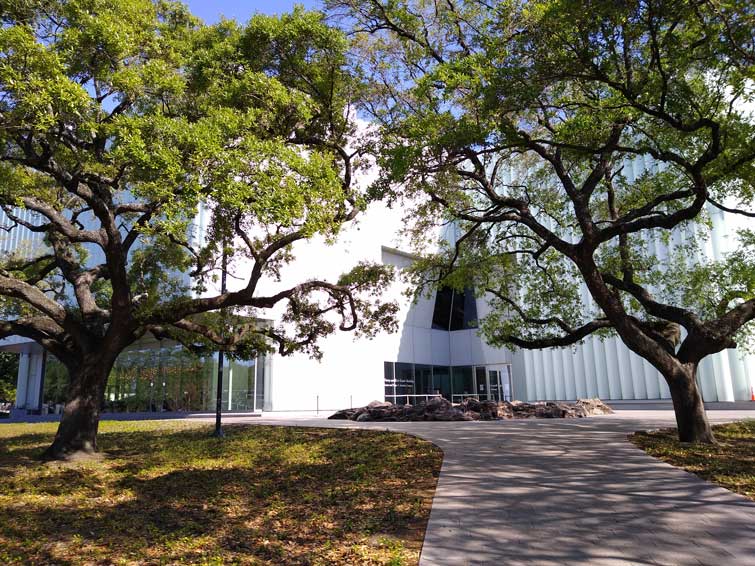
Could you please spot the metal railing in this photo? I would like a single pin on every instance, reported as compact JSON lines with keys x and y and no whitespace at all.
{"x":407,"y":396}
{"x":462,"y":396}
{"x":455,"y":398}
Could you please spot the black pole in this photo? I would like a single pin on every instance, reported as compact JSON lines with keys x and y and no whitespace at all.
{"x":219,"y":402}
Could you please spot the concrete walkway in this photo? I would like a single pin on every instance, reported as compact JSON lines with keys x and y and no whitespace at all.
{"x":558,"y":492}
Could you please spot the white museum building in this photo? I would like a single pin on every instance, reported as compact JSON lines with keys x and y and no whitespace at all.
{"x":437,"y":349}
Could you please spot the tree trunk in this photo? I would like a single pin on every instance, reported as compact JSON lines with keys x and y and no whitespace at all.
{"x":691,"y":419}
{"x":77,"y":432}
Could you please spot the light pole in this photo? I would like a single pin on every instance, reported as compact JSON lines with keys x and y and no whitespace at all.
{"x":219,"y":397}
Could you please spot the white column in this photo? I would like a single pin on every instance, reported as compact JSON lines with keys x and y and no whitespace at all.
{"x":570,"y":357}
{"x":741,"y":386}
{"x":612,"y":368}
{"x":559,"y":374}
{"x":34,"y":383}
{"x":626,"y":384}
{"x":579,"y":371}
{"x":638,"y":376}
{"x":540,"y":392}
{"x":724,"y":384}
{"x":530,"y":391}
{"x":652,"y":387}
{"x":601,"y":367}
{"x":550,"y":382}
{"x":588,"y":363}
{"x":707,"y":379}
{"x":23,"y":381}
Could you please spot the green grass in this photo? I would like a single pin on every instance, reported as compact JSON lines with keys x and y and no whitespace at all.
{"x":730,"y":463}
{"x":165,"y":492}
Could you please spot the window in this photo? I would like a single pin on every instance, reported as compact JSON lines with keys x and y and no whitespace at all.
{"x":470,"y":310}
{"x":423,"y":380}
{"x":454,"y":310}
{"x":442,"y":312}
{"x":463,"y":382}
{"x":442,"y":381}
{"x":404,"y":380}
{"x":389,"y":381}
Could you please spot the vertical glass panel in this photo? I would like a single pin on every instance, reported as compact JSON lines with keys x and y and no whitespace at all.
{"x":404,"y":382}
{"x":211,"y":377}
{"x":495,"y":384}
{"x":470,"y":309}
{"x":442,"y":311}
{"x":259,"y":389}
{"x":463,"y":382}
{"x":389,"y":381}
{"x":423,"y":380}
{"x":457,"y":312}
{"x":442,"y":381}
{"x":241,"y":385}
{"x":480,"y":383}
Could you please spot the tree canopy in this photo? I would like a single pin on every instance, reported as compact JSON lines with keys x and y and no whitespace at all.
{"x":124,"y":122}
{"x":520,"y":123}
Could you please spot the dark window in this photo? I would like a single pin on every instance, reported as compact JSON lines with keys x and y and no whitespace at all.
{"x":470,"y":309}
{"x":442,"y":311}
{"x":457,"y":312}
{"x":454,"y":310}
{"x":404,"y":381}
{"x":480,"y":382}
{"x":442,"y":381}
{"x":423,"y":380}
{"x":463,"y":382}
{"x":389,"y":381}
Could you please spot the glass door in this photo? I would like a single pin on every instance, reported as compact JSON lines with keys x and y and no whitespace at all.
{"x":494,"y":385}
{"x":481,"y":385}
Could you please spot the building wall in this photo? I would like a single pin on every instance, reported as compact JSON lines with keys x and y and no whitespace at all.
{"x":609,"y":370}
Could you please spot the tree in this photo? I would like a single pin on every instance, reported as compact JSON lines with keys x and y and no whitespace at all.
{"x":8,"y":376}
{"x":516,"y":120}
{"x":119,"y":121}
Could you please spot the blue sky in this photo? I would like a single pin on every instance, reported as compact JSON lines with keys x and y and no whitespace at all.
{"x":211,"y":10}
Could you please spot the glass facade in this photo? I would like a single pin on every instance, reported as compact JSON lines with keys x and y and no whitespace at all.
{"x":168,"y":378}
{"x":423,"y":379}
{"x":463,"y":382}
{"x":411,"y":383}
{"x":404,"y":379}
{"x":442,"y":381}
{"x":389,"y":380}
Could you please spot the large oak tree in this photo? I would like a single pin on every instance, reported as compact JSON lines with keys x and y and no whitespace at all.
{"x":518,"y":121}
{"x":119,"y":120}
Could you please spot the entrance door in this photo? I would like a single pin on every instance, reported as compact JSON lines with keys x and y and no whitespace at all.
{"x":481,"y":384}
{"x":494,"y":385}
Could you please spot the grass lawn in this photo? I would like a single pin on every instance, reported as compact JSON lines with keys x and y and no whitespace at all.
{"x":165,"y":492}
{"x":730,"y":464}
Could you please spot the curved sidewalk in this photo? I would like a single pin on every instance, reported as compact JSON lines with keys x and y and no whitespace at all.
{"x":563,"y":492}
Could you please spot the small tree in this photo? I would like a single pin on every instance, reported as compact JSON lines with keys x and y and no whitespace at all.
{"x":118,"y":122}
{"x":517,"y":119}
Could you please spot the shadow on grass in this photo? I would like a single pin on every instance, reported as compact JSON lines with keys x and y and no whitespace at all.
{"x":262,"y":495}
